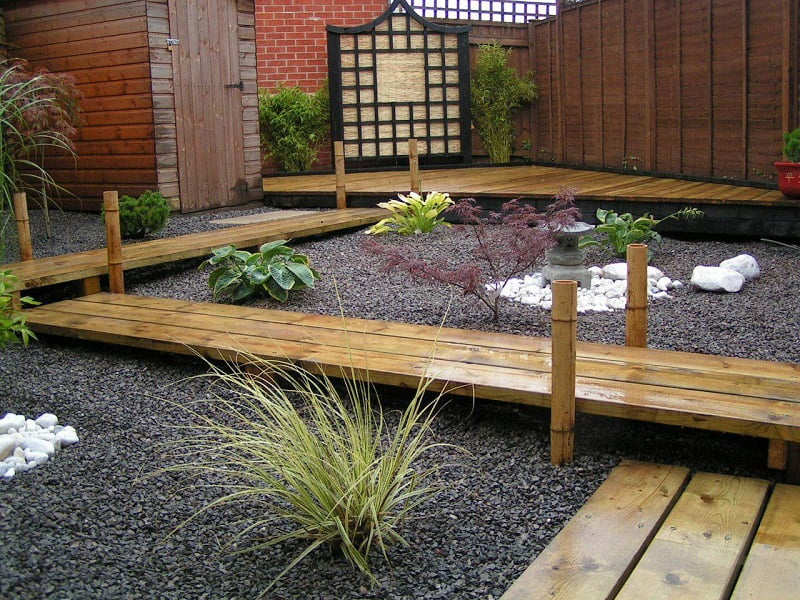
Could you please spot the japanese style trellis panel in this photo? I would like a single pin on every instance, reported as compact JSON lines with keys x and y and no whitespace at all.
{"x":396,"y":78}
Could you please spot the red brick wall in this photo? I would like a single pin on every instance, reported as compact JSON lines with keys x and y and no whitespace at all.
{"x":291,"y":45}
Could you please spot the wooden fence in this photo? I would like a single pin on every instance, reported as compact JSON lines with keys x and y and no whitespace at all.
{"x":700,"y":88}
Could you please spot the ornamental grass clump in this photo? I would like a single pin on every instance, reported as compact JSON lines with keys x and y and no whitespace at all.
{"x":39,"y":115}
{"x":316,"y":464}
{"x":412,"y":214}
{"x":508,"y":244}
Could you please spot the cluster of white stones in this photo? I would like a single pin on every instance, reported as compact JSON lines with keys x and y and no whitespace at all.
{"x":607,"y":293}
{"x":25,"y":443}
{"x":730,"y":276}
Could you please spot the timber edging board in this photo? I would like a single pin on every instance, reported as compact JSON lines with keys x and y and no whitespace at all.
{"x":749,"y":397}
{"x":83,"y":265}
{"x":649,"y":531}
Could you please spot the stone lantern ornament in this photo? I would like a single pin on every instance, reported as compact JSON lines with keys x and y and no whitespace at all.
{"x":565,"y":260}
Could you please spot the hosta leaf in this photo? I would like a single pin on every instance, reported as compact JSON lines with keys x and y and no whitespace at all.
{"x":276,"y":291}
{"x":282,"y":275}
{"x":271,"y":245}
{"x":303,"y":273}
{"x":242,"y":292}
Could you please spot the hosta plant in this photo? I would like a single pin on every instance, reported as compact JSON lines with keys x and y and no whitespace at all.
{"x":413,"y":214}
{"x":13,"y":325}
{"x":276,"y":269}
{"x":308,"y":461}
{"x":618,"y":230}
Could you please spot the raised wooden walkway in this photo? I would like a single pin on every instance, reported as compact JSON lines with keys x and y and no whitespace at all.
{"x":730,"y":209}
{"x":749,"y":397}
{"x":650,"y":531}
{"x":93,"y":263}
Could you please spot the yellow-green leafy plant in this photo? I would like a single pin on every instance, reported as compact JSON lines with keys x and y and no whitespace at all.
{"x":13,"y":324}
{"x":413,"y":214}
{"x":497,"y":91}
{"x":322,"y":465}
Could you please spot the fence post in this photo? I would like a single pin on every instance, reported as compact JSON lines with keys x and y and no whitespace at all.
{"x":562,"y":390}
{"x":413,"y":164}
{"x":636,"y":305}
{"x":23,"y":226}
{"x":116,"y":279}
{"x":341,"y":192}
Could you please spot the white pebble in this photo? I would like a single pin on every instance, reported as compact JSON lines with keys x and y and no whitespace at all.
{"x":46,"y":420}
{"x":67,"y":436}
{"x":11,"y":421}
{"x":36,"y":445}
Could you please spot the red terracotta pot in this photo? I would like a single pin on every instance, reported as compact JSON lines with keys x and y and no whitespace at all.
{"x":788,"y":178}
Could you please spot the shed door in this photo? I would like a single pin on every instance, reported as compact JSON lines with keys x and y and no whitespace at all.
{"x":208,"y":103}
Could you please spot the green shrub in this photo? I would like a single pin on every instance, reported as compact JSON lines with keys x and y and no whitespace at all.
{"x":617,"y":231}
{"x":497,"y":90}
{"x":322,"y":466}
{"x":13,"y":324}
{"x":146,"y":214}
{"x":275,"y":269}
{"x":293,"y":125}
{"x":791,"y":145}
{"x":412,"y":214}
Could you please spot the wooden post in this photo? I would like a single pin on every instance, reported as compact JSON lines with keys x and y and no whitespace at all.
{"x":116,"y":279}
{"x":341,"y":192}
{"x":562,"y":390}
{"x":23,"y":226}
{"x":413,"y":165}
{"x":778,"y":454}
{"x":636,"y":306}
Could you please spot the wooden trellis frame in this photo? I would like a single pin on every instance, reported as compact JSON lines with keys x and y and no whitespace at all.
{"x":399,"y":77}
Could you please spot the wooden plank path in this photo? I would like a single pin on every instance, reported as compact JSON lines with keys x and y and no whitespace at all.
{"x":650,"y":531}
{"x":734,"y":395}
{"x":529,"y":181}
{"x":92,"y":263}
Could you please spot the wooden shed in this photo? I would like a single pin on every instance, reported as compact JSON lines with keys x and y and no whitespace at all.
{"x":170,"y":95}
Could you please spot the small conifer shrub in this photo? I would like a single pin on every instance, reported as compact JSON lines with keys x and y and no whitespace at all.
{"x":143,"y":215}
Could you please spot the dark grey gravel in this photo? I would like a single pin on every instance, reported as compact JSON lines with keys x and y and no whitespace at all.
{"x":90,"y":524}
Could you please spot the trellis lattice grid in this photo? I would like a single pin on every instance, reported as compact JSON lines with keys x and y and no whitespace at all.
{"x":504,"y":11}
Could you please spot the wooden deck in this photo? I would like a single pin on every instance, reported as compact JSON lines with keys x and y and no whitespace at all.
{"x":730,"y":209}
{"x":756,"y":398}
{"x":92,"y":263}
{"x":650,"y":531}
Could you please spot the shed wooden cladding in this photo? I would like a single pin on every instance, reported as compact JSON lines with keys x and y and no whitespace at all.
{"x":152,"y":118}
{"x":701,"y":87}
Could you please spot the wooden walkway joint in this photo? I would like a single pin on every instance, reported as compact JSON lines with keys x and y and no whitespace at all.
{"x":650,"y":531}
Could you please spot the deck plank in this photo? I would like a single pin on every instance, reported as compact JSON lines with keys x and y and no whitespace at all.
{"x":591,"y":556}
{"x":701,"y":545}
{"x":772,"y":568}
{"x":400,"y":358}
{"x":81,"y":265}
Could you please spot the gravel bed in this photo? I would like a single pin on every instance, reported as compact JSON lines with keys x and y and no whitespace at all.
{"x":93,"y":523}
